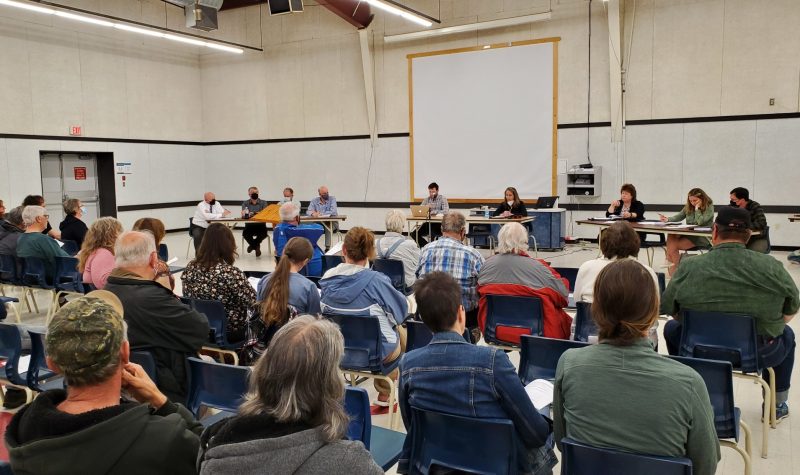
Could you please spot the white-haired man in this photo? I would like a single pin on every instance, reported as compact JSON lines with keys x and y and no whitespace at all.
{"x":393,"y":245}
{"x":290,"y":218}
{"x":207,"y":209}
{"x":157,"y":320}
{"x":35,"y":244}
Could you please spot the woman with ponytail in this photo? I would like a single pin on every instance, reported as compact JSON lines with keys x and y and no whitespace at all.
{"x":282,"y":295}
{"x":620,"y":393}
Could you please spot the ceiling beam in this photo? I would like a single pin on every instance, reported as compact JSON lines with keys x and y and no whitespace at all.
{"x":231,"y":4}
{"x":354,"y":12}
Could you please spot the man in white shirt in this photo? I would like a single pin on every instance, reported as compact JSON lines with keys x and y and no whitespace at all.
{"x":288,"y":195}
{"x":207,"y":209}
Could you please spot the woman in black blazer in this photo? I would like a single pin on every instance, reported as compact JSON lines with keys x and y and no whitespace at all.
{"x":627,"y":206}
{"x":512,"y":206}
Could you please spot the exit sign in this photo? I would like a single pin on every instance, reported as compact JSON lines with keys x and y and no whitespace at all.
{"x":75,"y":130}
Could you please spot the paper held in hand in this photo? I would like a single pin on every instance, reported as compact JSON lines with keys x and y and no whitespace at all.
{"x":541,"y":393}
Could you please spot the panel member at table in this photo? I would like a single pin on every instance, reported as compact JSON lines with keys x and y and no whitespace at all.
{"x":512,"y":206}
{"x":253,"y":233}
{"x":324,"y":205}
{"x":207,"y":209}
{"x":439,"y":205}
{"x":627,"y":206}
{"x":740,"y":198}
{"x":698,"y":210}
{"x":288,"y":195}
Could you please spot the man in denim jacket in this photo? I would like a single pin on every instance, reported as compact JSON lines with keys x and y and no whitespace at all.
{"x":441,"y":376}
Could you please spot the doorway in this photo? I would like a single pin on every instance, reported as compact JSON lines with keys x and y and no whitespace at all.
{"x":88,"y":177}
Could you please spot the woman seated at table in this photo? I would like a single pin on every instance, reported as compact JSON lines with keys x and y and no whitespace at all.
{"x":699,"y":211}
{"x":627,"y":206}
{"x":620,"y":393}
{"x":512,"y":206}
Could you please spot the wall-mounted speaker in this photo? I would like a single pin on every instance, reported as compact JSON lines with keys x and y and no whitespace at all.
{"x":279,"y":7}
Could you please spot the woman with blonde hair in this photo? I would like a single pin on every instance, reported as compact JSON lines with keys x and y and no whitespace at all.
{"x":699,"y":211}
{"x":96,"y":258}
{"x":292,"y":420}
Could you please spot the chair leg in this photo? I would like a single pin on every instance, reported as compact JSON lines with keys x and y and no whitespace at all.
{"x":269,"y":244}
{"x":773,"y":416}
{"x":16,"y":312}
{"x":748,"y":469}
{"x":33,"y":299}
{"x":189,"y":247}
{"x":392,"y":411}
{"x":748,"y":438}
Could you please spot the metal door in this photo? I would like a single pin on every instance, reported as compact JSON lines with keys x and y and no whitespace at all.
{"x":70,"y":175}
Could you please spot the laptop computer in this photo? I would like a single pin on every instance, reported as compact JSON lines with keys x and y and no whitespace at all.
{"x":546,"y":202}
{"x":420,"y":211}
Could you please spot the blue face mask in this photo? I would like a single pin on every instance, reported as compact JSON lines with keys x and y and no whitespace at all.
{"x":83,"y":209}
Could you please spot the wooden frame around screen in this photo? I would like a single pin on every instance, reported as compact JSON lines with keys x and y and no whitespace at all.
{"x":411,"y":57}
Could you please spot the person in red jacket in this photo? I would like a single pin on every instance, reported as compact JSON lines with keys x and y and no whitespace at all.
{"x":514,"y":272}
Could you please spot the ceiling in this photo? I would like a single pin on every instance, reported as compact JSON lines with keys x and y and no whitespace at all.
{"x":355,"y":12}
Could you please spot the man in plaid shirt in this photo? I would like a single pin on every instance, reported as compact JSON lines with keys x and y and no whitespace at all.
{"x":448,"y":254}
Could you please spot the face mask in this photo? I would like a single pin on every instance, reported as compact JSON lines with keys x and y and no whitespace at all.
{"x":83,"y":209}
{"x":733,"y":203}
{"x":510,"y":203}
{"x":253,"y":196}
{"x":212,"y":202}
{"x":324,"y":196}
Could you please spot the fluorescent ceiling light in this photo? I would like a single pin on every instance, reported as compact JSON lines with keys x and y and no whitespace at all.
{"x":485,"y":25}
{"x":388,"y":7}
{"x":120,"y":26}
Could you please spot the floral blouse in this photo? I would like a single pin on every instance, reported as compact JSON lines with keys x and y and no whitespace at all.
{"x":227,"y":284}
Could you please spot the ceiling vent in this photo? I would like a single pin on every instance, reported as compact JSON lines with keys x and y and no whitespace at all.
{"x":200,"y":14}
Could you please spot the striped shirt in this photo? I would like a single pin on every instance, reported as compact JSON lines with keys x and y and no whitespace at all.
{"x":462,"y":262}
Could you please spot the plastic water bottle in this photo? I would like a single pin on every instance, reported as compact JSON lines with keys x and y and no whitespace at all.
{"x":486,"y":212}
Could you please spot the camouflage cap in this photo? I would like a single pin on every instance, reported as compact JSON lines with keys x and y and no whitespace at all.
{"x":86,"y":334}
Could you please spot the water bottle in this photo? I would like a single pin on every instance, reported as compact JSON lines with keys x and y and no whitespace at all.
{"x":486,"y":212}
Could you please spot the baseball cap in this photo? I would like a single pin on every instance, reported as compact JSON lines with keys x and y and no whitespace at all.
{"x":733,"y":218}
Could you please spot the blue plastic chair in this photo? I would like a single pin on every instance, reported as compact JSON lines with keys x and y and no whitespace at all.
{"x":163,"y":252}
{"x":363,"y":354}
{"x":582,"y":459}
{"x":417,"y":335}
{"x":329,"y":262}
{"x":33,"y":276}
{"x":214,"y":311}
{"x":472,"y":445}
{"x":68,"y":278}
{"x":215,"y":385}
{"x":147,"y":361}
{"x":394,"y":270}
{"x":584,"y":325}
{"x":314,"y":266}
{"x":505,"y":311}
{"x":569,"y":273}
{"x":539,"y":356}
{"x":70,"y":247}
{"x":727,"y":417}
{"x":10,"y":351}
{"x":40,"y":377}
{"x":701,"y":338}
{"x":383,"y":444}
{"x":5,"y":468}
{"x":10,"y":301}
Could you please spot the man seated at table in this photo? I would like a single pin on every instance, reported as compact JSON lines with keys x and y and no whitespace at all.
{"x":254,"y":233}
{"x":449,"y":254}
{"x":35,"y":244}
{"x":733,"y":279}
{"x":439,"y":205}
{"x":290,"y":219}
{"x":450,"y":375}
{"x":288,"y":195}
{"x":740,"y":198}
{"x":207,"y":209}
{"x":322,"y":206}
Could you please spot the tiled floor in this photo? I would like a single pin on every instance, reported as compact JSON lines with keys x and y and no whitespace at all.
{"x":784,"y":441}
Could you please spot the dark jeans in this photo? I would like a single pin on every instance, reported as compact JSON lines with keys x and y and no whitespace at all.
{"x":254,"y":233}
{"x":197,"y":236}
{"x":776,"y":353}
{"x":422,"y":234}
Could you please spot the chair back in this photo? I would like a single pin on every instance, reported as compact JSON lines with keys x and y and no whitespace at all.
{"x":418,"y":335}
{"x":459,"y":443}
{"x":701,"y":338}
{"x":662,"y":282}
{"x":718,"y":376}
{"x":539,"y":356}
{"x":329,"y":262}
{"x":10,"y":351}
{"x":10,"y":269}
{"x":37,"y":367}
{"x":356,"y":403}
{"x":258,"y":274}
{"x":214,"y":311}
{"x":582,"y":459}
{"x":393,"y":269}
{"x":584,"y":325}
{"x":362,"y":342}
{"x":569,"y":273}
{"x":215,"y":385}
{"x":34,"y":273}
{"x":70,"y":247}
{"x":508,"y":317}
{"x":163,"y":252}
{"x":147,"y":361}
{"x":67,"y":277}
{"x":191,"y":222}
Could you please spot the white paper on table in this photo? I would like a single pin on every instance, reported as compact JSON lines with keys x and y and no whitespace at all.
{"x":254,"y":282}
{"x":541,"y":393}
{"x":683,"y":226}
{"x":336,"y":249}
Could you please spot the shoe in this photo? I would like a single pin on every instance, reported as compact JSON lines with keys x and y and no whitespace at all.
{"x":475,"y":335}
{"x":258,"y":252}
{"x":249,"y":249}
{"x":781,"y":412}
{"x":376,"y":409}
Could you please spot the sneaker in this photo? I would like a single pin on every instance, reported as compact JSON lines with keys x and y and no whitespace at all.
{"x":249,"y":249}
{"x":258,"y":252}
{"x":781,"y":412}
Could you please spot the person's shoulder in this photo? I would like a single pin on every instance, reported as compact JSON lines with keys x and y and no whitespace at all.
{"x":348,"y":456}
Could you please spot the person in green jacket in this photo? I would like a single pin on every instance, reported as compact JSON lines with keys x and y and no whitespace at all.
{"x":699,"y":211}
{"x":88,"y":429}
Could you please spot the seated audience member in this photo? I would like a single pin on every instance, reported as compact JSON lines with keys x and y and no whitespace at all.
{"x":254,"y":233}
{"x":212,"y":276}
{"x":698,"y":210}
{"x":2,"y":211}
{"x":449,"y":254}
{"x":740,"y":198}
{"x":288,"y":195}
{"x":324,"y":205}
{"x":35,"y":244}
{"x":157,"y":320}
{"x":11,"y":229}
{"x":207,"y":209}
{"x":282,"y":295}
{"x":38,"y":200}
{"x":439,"y":205}
{"x":513,"y":272}
{"x":450,"y":375}
{"x":292,"y":420}
{"x":156,"y":227}
{"x":73,"y":228}
{"x":96,"y":259}
{"x":393,"y":245}
{"x":732,"y":279}
{"x":620,"y":393}
{"x":290,"y":218}
{"x":351,"y":288}
{"x":627,"y":206}
{"x":87,"y":428}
